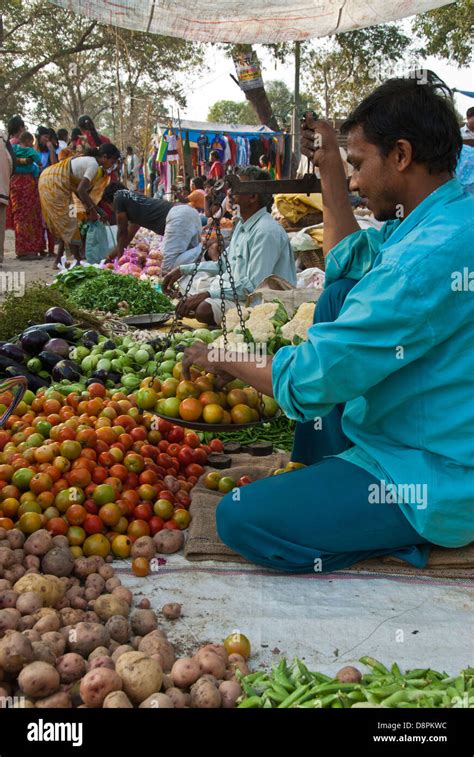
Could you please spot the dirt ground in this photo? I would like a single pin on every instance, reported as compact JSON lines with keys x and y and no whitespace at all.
{"x":24,"y":271}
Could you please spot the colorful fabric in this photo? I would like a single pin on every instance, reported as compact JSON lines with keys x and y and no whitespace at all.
{"x":465,"y":168}
{"x":25,"y":215}
{"x":27,"y":152}
{"x":216,"y":170}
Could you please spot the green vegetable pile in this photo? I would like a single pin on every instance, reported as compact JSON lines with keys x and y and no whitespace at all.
{"x":106,"y":290}
{"x":295,"y":686}
{"x":280,"y":433}
{"x":16,"y":313}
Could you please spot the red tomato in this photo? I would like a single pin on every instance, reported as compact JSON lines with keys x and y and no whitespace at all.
{"x":163,"y":445}
{"x":148,"y":450}
{"x":132,"y":496}
{"x":166,"y":461}
{"x":200,"y":456}
{"x":164,"y":427}
{"x":173,"y":450}
{"x":171,"y":524}
{"x":144,"y":511}
{"x":192,"y":439}
{"x":165,"y":494}
{"x":216,"y":445}
{"x":92,"y":524}
{"x":194,"y":470}
{"x":99,"y":475}
{"x":57,"y":526}
{"x":91,"y":507}
{"x":131,"y":482}
{"x":148,"y":477}
{"x":176,"y":434}
{"x":186,"y":456}
{"x":244,"y":480}
{"x":106,"y":459}
{"x":192,"y":480}
{"x":156,"y":524}
{"x":182,"y":498}
{"x":206,"y":448}
{"x":138,"y":434}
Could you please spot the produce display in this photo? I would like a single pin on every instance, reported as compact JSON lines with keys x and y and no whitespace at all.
{"x":295,"y":686}
{"x":280,"y":433}
{"x":101,"y":289}
{"x":93,"y":468}
{"x":142,"y":259}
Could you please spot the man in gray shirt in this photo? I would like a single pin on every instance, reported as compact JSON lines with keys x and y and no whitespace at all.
{"x":180,"y":225}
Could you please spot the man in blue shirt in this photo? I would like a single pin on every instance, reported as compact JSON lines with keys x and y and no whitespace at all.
{"x":383,"y":388}
{"x":259,"y":248}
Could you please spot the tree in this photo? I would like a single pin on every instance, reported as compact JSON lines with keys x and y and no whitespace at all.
{"x":232,"y":112}
{"x":448,"y":32}
{"x":58,"y":65}
{"x":341,"y":70}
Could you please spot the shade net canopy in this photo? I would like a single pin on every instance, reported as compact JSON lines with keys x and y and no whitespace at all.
{"x":241,"y":21}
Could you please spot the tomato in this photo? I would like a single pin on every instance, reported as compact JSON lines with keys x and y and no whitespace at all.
{"x":79,"y":477}
{"x":76,"y":515}
{"x":192,"y":439}
{"x":244,"y":480}
{"x":138,"y":528}
{"x":96,"y":544}
{"x":134,"y":463}
{"x":110,"y":514}
{"x":99,"y":475}
{"x":190,"y":409}
{"x":163,"y":508}
{"x":121,"y":546}
{"x":194,"y":470}
{"x":182,"y":498}
{"x":164,"y":427}
{"x":186,"y":456}
{"x":216,"y":445}
{"x":156,"y":524}
{"x":148,"y":450}
{"x":237,"y":643}
{"x":171,"y":524}
{"x":147,"y":492}
{"x":41,"y":482}
{"x":166,"y":494}
{"x":22,"y":478}
{"x":176,"y":434}
{"x":200,"y":456}
{"x":132,"y":481}
{"x":143,"y":511}
{"x":70,"y":449}
{"x":226,"y":484}
{"x":119,"y":471}
{"x":165,"y":461}
{"x":93,"y":524}
{"x":76,"y":536}
{"x":141,"y":566}
{"x":72,"y":495}
{"x":57,"y":526}
{"x":148,"y":477}
{"x":212,"y":479}
{"x":182,"y":518}
{"x":91,"y":507}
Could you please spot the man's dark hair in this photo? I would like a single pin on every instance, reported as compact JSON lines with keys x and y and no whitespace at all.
{"x":130,"y":150}
{"x":14,"y":125}
{"x":198,"y":182}
{"x":107,"y":150}
{"x":470,"y":113}
{"x":254,"y":173}
{"x":111,"y":190}
{"x":63,"y":134}
{"x":421,"y":112}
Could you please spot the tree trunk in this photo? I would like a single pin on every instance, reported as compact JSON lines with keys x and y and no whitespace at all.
{"x":258,"y":98}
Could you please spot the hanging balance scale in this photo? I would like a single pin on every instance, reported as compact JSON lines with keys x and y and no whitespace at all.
{"x":308,"y":184}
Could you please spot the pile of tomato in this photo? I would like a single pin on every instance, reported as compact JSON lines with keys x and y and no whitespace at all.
{"x":97,"y":469}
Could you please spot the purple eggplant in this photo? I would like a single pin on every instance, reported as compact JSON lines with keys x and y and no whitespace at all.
{"x":58,"y":315}
{"x":33,"y":341}
{"x":13,"y":351}
{"x":58,"y":346}
{"x":66,"y":369}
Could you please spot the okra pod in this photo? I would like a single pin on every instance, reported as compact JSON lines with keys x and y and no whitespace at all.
{"x":251,"y":702}
{"x":295,"y":696}
{"x":374,"y":664}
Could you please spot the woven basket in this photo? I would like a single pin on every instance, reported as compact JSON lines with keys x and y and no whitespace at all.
{"x":311,"y":259}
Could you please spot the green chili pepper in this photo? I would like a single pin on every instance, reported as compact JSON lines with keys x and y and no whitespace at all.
{"x":251,"y":702}
{"x":294,"y":697}
{"x":375,"y":664}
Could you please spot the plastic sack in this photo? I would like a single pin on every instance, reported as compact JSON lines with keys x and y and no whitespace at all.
{"x":301,"y":242}
{"x":100,"y":239}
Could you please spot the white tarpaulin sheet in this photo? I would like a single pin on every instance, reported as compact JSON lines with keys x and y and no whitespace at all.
{"x":239,"y":21}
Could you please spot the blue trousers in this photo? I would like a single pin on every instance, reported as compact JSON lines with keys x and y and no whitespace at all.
{"x":317,"y":518}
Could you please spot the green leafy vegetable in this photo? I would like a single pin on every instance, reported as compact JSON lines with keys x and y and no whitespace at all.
{"x":106,"y":289}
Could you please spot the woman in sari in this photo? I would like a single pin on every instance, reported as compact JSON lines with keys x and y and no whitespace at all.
{"x":70,"y":192}
{"x":24,"y":209}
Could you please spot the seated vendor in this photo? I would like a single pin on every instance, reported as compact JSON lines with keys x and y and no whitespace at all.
{"x":382,"y":390}
{"x":259,"y":248}
{"x":180,"y":225}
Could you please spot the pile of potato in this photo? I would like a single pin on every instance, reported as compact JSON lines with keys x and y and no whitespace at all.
{"x":70,"y":637}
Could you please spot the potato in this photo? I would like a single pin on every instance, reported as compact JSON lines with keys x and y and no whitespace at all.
{"x":18,"y":556}
{"x":106,"y":572}
{"x":168,"y":541}
{"x":96,"y":684}
{"x":90,"y":595}
{"x":45,"y":612}
{"x":32,"y":562}
{"x":48,"y":623}
{"x":141,"y":675}
{"x":167,"y":682}
{"x":84,"y":637}
{"x":98,"y":652}
{"x":121,"y":650}
{"x":58,"y":561}
{"x":75,"y":591}
{"x":26,"y":622}
{"x":123,"y":593}
{"x":78,"y":603}
{"x":113,"y":646}
{"x":29,"y":602}
{"x":233,"y":666}
{"x":211,"y":663}
{"x":185,"y":672}
{"x":178,"y":697}
{"x":9,"y":620}
{"x":144,"y":604}
{"x":71,"y":667}
{"x":49,"y":587}
{"x":219,"y":649}
{"x":15,"y":573}
{"x":15,"y":538}
{"x":204,"y":695}
{"x":96,"y":562}
{"x":108,"y":605}
{"x":24,"y":703}
{"x":230,"y":691}
{"x":144,"y":546}
{"x":42,"y":652}
{"x":39,"y":679}
{"x":95,"y":581}
{"x":3,"y":533}
{"x":171,"y":611}
{"x":101,"y":662}
{"x":60,"y":541}
{"x":31,"y":635}
{"x":5,"y":585}
{"x":39,"y":543}
{"x":82,"y":567}
{"x":143,"y":622}
{"x":135,"y":641}
{"x":70,"y":616}
{"x":117,"y":699}
{"x":118,"y":628}
{"x":91,"y":617}
{"x":112,"y":583}
{"x":157,"y":701}
{"x":59,"y":700}
{"x":8,"y":598}
{"x":55,"y":641}
{"x":349,"y":675}
{"x":154,"y":643}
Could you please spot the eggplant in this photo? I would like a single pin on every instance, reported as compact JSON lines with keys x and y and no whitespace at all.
{"x":58,"y":315}
{"x":109,"y":345}
{"x":93,"y":380}
{"x":34,"y":340}
{"x":9,"y":368}
{"x":58,"y":331}
{"x":114,"y":376}
{"x":59,"y":346}
{"x":49,"y":359}
{"x":100,"y":375}
{"x":91,"y":336}
{"x":13,"y":352}
{"x":66,"y":369}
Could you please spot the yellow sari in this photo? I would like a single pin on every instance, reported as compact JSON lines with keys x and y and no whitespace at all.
{"x":62,"y":210}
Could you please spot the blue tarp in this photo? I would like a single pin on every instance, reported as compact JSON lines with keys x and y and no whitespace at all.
{"x":196,"y":128}
{"x":464,"y":92}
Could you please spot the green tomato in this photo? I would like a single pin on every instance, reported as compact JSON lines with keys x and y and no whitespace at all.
{"x":142,"y":357}
{"x":131,"y":381}
{"x":167,"y":366}
{"x":29,"y":396}
{"x":104,"y":365}
{"x":170,"y":354}
{"x":171,"y":407}
{"x":34,"y":365}
{"x":89,"y":363}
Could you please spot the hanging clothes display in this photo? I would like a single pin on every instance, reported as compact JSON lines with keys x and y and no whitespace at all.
{"x":218,"y":144}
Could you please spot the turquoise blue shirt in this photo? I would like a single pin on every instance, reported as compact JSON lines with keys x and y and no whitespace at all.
{"x":259,"y":247}
{"x":401,"y":356}
{"x":28,"y":152}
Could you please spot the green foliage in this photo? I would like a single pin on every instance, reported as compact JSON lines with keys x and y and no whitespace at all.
{"x":231,"y":112}
{"x":448,"y":32}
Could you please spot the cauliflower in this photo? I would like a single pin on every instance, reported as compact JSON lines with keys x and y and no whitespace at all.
{"x":300,"y":323}
{"x":261,"y":330}
{"x":232,"y":339}
{"x":232,"y":319}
